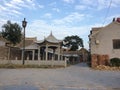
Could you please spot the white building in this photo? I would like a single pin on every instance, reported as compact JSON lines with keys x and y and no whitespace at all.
{"x":106,"y":40}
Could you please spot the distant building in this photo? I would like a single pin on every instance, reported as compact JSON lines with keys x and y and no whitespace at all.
{"x":47,"y":49}
{"x":79,"y":55}
{"x":106,"y":40}
{"x":84,"y":55}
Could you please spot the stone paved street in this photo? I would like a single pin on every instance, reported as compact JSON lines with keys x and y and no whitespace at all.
{"x":76,"y":77}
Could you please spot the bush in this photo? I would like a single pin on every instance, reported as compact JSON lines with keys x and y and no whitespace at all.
{"x":115,"y":62}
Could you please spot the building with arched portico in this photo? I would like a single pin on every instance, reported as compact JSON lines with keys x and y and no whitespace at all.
{"x":44,"y":52}
{"x":47,"y":49}
{"x":39,"y":52}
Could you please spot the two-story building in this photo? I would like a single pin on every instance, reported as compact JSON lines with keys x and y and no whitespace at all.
{"x":106,"y":40}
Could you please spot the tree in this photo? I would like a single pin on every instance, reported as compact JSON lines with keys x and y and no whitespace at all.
{"x":73,"y":42}
{"x":11,"y":32}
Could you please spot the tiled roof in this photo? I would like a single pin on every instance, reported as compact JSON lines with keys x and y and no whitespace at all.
{"x":28,"y":41}
{"x":50,"y":39}
{"x":83,"y":50}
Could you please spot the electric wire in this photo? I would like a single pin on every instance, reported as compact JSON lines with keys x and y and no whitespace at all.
{"x":107,"y":13}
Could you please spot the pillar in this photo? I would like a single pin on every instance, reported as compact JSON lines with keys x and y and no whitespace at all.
{"x":21,"y":55}
{"x":58,"y":52}
{"x":53,"y":54}
{"x":33,"y":54}
{"x":46,"y":52}
{"x":39,"y":53}
{"x":62,"y":55}
{"x":83,"y":56}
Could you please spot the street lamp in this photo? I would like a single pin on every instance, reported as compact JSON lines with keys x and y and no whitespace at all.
{"x":24,"y":24}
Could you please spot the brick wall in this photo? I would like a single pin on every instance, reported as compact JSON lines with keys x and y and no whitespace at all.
{"x":99,"y":60}
{"x":14,"y":53}
{"x":3,"y":52}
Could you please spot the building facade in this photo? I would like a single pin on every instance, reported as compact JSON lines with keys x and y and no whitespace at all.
{"x":106,"y":40}
{"x":47,"y":49}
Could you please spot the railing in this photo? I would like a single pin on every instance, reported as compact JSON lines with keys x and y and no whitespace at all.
{"x":36,"y":62}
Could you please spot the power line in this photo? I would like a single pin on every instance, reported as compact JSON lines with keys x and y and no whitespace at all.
{"x":107,"y":12}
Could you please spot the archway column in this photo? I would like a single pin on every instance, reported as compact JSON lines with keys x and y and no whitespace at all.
{"x":46,"y":52}
{"x":53,"y":56}
{"x":33,"y":54}
{"x":58,"y":52}
{"x":39,"y":53}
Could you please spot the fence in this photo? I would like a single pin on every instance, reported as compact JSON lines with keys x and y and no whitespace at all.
{"x":35,"y":62}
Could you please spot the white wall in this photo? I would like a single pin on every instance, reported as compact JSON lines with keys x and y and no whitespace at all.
{"x":38,"y":62}
{"x":105,"y":38}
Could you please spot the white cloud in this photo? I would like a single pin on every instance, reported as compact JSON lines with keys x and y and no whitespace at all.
{"x":48,"y":15}
{"x":53,"y":4}
{"x":17,"y":5}
{"x":2,"y":8}
{"x":13,"y":8}
{"x":69,"y":1}
{"x":103,"y":4}
{"x":56,"y":9}
{"x":23,"y":3}
{"x":73,"y":17}
{"x":100,"y":4}
{"x":16,"y":1}
{"x":88,"y":2}
{"x":40,"y":26}
{"x":41,"y":6}
{"x":80,"y":7}
{"x":41,"y":29}
{"x":116,"y":2}
{"x":16,"y":12}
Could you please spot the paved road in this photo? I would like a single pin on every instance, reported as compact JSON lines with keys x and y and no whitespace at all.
{"x":76,"y":77}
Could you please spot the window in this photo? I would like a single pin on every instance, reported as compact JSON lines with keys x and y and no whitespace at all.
{"x":116,"y":44}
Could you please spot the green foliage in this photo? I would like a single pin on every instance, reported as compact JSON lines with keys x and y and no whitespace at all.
{"x":73,"y":42}
{"x":115,"y":62}
{"x":11,"y":32}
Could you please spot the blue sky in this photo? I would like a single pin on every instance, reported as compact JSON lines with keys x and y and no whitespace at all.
{"x":62,"y":17}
